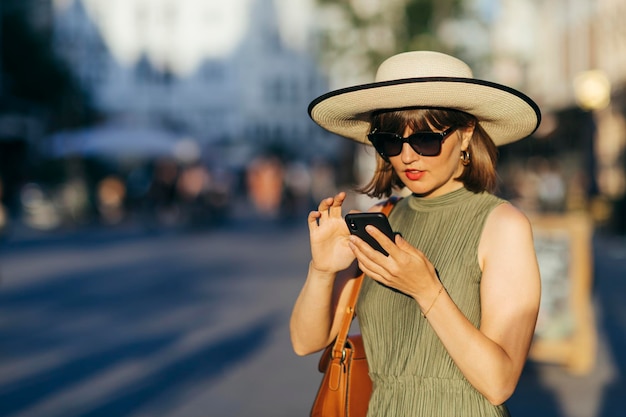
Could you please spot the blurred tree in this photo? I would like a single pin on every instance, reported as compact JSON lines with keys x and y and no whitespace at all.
{"x":357,"y":35}
{"x":37,"y":95}
{"x":31,"y":73}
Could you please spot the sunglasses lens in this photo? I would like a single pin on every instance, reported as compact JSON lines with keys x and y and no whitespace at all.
{"x":392,"y":147}
{"x":426,"y":144}
{"x":387,"y":144}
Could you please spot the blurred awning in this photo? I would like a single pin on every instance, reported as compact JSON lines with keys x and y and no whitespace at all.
{"x":118,"y":141}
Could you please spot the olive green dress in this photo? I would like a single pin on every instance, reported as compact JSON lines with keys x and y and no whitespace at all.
{"x":412,"y":373}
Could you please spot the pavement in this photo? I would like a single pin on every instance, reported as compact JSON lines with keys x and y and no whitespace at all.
{"x":129,"y":322}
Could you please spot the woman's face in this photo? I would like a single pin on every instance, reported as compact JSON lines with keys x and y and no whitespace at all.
{"x":432,"y":176}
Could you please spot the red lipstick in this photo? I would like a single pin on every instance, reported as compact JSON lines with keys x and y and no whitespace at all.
{"x":413,"y":174}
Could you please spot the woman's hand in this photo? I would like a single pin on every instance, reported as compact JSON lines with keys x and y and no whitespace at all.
{"x":406,"y":269}
{"x":320,"y":307}
{"x":329,"y":236}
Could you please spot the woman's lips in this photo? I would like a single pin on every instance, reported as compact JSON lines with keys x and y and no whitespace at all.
{"x":413,"y":174}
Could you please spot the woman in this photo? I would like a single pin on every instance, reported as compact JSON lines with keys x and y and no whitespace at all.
{"x":448,"y":317}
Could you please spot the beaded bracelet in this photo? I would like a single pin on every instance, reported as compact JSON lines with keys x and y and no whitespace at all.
{"x":433,"y":303}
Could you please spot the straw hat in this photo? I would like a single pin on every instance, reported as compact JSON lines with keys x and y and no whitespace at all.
{"x":427,"y":79}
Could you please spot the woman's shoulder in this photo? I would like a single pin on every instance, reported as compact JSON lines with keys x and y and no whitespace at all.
{"x":507,"y":232}
{"x":507,"y":219}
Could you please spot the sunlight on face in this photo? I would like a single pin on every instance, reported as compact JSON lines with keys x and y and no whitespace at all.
{"x":430,"y":176}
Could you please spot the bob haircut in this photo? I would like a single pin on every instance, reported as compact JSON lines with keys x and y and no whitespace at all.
{"x":480,"y":175}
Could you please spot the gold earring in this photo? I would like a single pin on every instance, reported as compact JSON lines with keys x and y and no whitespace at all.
{"x":465,"y":158}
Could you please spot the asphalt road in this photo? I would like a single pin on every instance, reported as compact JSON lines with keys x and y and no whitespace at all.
{"x":132,"y":323}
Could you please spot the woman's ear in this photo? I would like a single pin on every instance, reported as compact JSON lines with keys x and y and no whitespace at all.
{"x":467,"y":133}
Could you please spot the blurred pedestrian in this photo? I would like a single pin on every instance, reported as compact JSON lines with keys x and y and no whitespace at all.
{"x":448,"y":317}
{"x":111,"y":195}
{"x":298,"y":188}
{"x":265,"y":182}
{"x":4,"y":215}
{"x":161,"y":196}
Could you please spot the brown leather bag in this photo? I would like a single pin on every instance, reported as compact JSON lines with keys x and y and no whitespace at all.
{"x":346,"y":386}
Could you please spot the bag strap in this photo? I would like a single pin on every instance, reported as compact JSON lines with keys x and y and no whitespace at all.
{"x":342,"y":336}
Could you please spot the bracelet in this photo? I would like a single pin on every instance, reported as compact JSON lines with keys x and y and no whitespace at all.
{"x":433,"y":303}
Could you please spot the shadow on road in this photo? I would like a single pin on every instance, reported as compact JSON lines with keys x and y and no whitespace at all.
{"x":207,"y":364}
{"x":110,"y":326}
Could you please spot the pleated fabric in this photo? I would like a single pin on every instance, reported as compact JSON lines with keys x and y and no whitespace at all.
{"x":412,"y":373}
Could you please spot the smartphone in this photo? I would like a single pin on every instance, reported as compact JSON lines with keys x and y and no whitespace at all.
{"x":357,"y":221}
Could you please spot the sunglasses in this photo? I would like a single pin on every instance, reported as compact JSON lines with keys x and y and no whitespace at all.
{"x":424,"y":143}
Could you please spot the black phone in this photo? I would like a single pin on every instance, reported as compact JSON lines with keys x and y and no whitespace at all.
{"x":357,"y":221}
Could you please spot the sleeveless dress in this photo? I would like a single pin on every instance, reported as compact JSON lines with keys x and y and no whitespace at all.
{"x":411,"y":371}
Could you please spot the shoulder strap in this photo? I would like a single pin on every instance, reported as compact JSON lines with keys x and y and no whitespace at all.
{"x":348,"y":316}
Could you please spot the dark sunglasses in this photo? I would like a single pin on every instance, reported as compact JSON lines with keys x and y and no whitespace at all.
{"x":424,"y":143}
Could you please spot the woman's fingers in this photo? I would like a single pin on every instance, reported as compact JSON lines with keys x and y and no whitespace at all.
{"x":313,"y":219}
{"x":325,"y":204}
{"x":331,"y":206}
{"x":387,"y":244}
{"x":328,"y":208}
{"x":335,"y":208}
{"x":370,"y":260}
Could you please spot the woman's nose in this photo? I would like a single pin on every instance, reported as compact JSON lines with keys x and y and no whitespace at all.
{"x":408,"y":154}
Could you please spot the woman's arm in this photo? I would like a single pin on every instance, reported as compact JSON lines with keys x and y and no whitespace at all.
{"x":314,"y":320}
{"x":492,"y":357}
{"x":318,"y":310}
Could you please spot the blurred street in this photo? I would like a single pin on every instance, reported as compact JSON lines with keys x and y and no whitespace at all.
{"x":123,"y":321}
{"x":130,"y":130}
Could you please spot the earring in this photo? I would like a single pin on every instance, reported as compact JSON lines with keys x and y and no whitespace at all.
{"x":465,"y":158}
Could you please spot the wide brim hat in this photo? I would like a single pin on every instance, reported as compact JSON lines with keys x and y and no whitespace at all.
{"x":427,"y":79}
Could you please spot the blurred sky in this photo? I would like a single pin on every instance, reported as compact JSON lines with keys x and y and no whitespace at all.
{"x":179,"y":34}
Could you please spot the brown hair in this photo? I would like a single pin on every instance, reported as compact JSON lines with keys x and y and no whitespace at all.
{"x":480,"y":175}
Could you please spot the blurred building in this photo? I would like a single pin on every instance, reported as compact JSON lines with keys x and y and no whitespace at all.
{"x":220,"y":72}
{"x":573,"y":38}
{"x":570,"y":56}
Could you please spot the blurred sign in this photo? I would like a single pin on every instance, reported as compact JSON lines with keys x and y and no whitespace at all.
{"x":121,"y":141}
{"x":565,"y":332}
